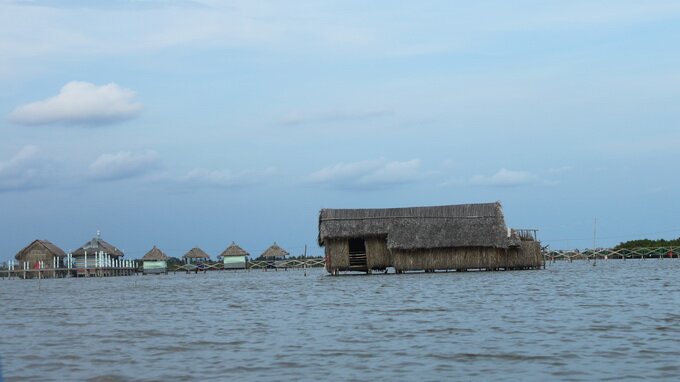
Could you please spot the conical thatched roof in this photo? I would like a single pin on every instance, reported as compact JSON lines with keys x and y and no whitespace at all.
{"x":274,"y":251}
{"x":155,"y":254}
{"x":234,"y":250}
{"x":44,"y":245}
{"x":98,"y":245}
{"x":196,"y":253}
{"x":465,"y":225}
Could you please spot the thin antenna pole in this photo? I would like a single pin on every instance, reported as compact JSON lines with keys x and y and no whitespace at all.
{"x":594,"y":240}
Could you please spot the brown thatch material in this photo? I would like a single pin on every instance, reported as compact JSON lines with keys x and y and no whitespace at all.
{"x":467,"y":258}
{"x":337,"y":254}
{"x":274,"y":252}
{"x":234,"y":250}
{"x":469,"y":236}
{"x":466,"y":225}
{"x":378,"y":256}
{"x":40,"y":250}
{"x":97,"y":245}
{"x":196,"y":253}
{"x":155,"y":254}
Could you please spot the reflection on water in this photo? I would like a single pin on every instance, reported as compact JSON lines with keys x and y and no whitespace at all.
{"x":572,"y":321}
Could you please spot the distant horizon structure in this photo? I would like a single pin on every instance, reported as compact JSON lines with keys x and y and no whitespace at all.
{"x":40,"y":250}
{"x":195,"y":255}
{"x":234,"y":257}
{"x":456,"y":237}
{"x":155,"y":262}
{"x":274,"y":252}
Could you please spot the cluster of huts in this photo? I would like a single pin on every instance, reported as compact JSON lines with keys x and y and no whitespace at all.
{"x":97,"y":253}
{"x":452,"y":237}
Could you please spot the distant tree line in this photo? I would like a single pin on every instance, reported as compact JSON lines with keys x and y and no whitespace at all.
{"x":646,"y":243}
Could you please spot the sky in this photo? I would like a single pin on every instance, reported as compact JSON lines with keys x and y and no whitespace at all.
{"x":198,"y":123}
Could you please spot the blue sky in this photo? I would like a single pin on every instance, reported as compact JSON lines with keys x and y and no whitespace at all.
{"x":199,"y":123}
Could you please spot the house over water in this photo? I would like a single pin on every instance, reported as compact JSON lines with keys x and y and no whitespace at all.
{"x":274,"y":252}
{"x":155,"y":261}
{"x":234,"y":257}
{"x":196,"y":255}
{"x":94,"y":249}
{"x":40,"y":250}
{"x":457,"y":237}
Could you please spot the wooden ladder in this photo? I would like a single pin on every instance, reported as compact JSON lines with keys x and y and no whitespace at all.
{"x":358,"y":262}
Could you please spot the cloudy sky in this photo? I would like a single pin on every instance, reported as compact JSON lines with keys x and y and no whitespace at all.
{"x":199,"y":123}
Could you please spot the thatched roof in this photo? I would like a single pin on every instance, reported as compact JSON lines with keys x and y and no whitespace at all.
{"x":464,"y":225}
{"x":196,"y":253}
{"x":155,"y":254}
{"x":44,"y":245}
{"x":234,"y":250}
{"x":98,"y":245}
{"x":274,"y":251}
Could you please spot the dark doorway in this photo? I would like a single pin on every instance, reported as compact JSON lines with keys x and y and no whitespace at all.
{"x":357,"y":255}
{"x":357,"y":246}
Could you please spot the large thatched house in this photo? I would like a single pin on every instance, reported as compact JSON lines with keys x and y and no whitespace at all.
{"x":460,"y":237}
{"x":234,"y":257}
{"x":196,"y":255}
{"x":95,"y":251}
{"x":40,"y":250}
{"x":155,"y":261}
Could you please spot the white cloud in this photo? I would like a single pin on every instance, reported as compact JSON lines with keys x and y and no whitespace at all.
{"x":80,"y":103}
{"x":123,"y":165}
{"x":25,"y":170}
{"x":505,"y":178}
{"x":201,"y":177}
{"x":368,"y":174}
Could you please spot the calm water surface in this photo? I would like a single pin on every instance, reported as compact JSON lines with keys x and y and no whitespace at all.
{"x":617,"y":321}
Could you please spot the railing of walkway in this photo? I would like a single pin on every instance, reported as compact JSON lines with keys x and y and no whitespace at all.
{"x":613,"y":253}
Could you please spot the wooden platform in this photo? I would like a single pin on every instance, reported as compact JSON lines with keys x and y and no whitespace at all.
{"x":45,"y":273}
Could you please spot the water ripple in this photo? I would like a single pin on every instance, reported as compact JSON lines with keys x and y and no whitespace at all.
{"x":570,"y":322}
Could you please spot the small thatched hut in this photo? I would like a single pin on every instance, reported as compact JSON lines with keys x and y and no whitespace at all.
{"x":460,"y":237}
{"x":274,"y":252}
{"x":195,"y":255}
{"x":234,"y":257}
{"x":40,"y":250}
{"x":155,"y":261}
{"x":94,"y":248}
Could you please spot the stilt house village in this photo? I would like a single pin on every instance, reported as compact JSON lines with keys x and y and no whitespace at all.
{"x":441,"y":238}
{"x":42,"y":258}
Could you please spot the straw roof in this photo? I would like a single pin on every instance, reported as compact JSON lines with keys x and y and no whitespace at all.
{"x":196,"y":253}
{"x":98,"y":245}
{"x":234,"y":250}
{"x":464,"y":225}
{"x":44,"y":245}
{"x":274,"y":251}
{"x":155,"y":254}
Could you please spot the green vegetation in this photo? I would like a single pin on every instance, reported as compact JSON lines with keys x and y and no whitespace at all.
{"x":646,"y":243}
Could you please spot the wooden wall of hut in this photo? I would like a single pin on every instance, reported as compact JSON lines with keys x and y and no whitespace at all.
{"x":337,"y":255}
{"x":378,"y":256}
{"x":524,"y":257}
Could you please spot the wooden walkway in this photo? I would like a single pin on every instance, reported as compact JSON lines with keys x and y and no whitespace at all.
{"x":611,"y":253}
{"x":259,"y":264}
{"x":43,"y":273}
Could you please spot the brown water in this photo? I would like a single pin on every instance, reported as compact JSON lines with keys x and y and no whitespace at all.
{"x":619,"y":320}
